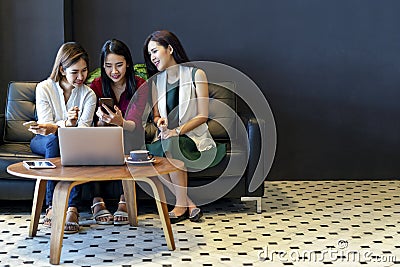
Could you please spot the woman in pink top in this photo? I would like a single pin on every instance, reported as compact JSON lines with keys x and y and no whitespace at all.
{"x":130,"y":95}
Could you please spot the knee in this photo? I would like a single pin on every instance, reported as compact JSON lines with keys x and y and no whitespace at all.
{"x":52,"y":147}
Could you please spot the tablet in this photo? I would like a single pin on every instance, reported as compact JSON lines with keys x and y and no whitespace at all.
{"x":38,"y":164}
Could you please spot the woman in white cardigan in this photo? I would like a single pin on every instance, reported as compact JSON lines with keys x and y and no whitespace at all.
{"x":180,"y":111}
{"x":63,"y":100}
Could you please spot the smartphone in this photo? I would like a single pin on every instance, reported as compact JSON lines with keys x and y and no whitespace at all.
{"x":109,"y":102}
{"x":38,"y":164}
{"x":28,"y":124}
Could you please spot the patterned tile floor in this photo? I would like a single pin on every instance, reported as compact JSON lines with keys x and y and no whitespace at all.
{"x":328,"y":223}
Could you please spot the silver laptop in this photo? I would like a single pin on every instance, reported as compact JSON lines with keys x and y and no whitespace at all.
{"x":91,"y":146}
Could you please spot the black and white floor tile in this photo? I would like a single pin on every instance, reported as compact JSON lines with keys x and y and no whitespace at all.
{"x":305,"y":223}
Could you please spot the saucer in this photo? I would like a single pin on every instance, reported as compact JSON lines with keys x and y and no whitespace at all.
{"x":129,"y":160}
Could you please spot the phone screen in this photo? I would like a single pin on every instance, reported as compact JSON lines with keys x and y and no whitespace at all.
{"x":109,"y":102}
{"x":39,"y":163}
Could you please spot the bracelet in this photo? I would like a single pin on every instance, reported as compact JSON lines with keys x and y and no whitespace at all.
{"x":178,"y":130}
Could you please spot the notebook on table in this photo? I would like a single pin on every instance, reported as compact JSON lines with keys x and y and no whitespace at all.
{"x":91,"y":146}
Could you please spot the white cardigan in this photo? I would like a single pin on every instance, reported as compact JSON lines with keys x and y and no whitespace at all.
{"x":187,"y":106}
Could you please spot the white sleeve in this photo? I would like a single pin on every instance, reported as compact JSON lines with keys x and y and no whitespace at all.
{"x":87,"y":110}
{"x":44,"y":108}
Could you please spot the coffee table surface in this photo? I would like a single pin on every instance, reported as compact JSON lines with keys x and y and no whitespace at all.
{"x":84,"y":173}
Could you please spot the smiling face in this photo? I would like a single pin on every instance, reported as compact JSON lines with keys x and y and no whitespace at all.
{"x":76,"y":74}
{"x":160,"y":56}
{"x":115,"y":67}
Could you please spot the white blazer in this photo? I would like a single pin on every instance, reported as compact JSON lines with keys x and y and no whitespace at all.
{"x":187,"y":106}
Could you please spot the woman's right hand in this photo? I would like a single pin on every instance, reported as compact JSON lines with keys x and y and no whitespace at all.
{"x":72,"y":115}
{"x":162,"y":124}
{"x":43,"y":129}
{"x":111,"y":117}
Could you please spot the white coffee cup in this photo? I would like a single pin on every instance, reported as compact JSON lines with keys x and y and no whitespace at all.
{"x":140,"y":155}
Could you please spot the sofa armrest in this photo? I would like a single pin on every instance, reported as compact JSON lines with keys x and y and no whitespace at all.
{"x":2,"y":123}
{"x":254,"y":127}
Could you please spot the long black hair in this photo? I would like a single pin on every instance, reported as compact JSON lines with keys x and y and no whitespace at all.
{"x":164,"y":38}
{"x":117,"y":47}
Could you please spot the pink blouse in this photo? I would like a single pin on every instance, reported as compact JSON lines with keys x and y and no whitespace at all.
{"x":139,"y":100}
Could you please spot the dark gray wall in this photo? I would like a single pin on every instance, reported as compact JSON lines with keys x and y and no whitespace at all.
{"x":30,"y":35}
{"x":329,"y":69}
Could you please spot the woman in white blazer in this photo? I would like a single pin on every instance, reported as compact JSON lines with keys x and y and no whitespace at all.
{"x":180,"y":111}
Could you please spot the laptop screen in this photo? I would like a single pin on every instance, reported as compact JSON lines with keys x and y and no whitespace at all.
{"x":91,"y":146}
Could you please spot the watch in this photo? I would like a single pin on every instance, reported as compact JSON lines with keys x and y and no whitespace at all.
{"x":178,"y":130}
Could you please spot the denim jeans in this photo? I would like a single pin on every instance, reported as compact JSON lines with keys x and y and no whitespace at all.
{"x":47,"y":146}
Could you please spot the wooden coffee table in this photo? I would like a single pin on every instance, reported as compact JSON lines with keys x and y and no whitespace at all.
{"x":69,"y":177}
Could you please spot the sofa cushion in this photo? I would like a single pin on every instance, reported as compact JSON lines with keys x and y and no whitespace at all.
{"x":19,"y":109}
{"x":222,"y":110}
{"x":17,"y":150}
{"x":236,"y":158}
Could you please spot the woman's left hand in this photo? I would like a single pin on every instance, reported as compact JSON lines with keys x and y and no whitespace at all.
{"x":43,"y":129}
{"x":167,"y":134}
{"x":112,"y":117}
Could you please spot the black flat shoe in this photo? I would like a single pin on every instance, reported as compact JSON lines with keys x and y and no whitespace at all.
{"x":175,"y":219}
{"x":195,"y":215}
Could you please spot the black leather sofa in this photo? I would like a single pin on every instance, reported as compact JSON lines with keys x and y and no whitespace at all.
{"x":227,"y":179}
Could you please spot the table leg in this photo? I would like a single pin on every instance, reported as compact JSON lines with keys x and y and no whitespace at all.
{"x":60,"y":205}
{"x":131,"y":203}
{"x":159,"y":196}
{"x":38,"y":197}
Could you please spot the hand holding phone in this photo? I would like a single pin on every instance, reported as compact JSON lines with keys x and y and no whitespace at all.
{"x":109,"y":102}
{"x":28,"y":124}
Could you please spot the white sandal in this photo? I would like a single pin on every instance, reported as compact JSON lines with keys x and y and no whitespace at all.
{"x":46,"y":219}
{"x":123,"y":214}
{"x":73,"y":225}
{"x":101,"y":214}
